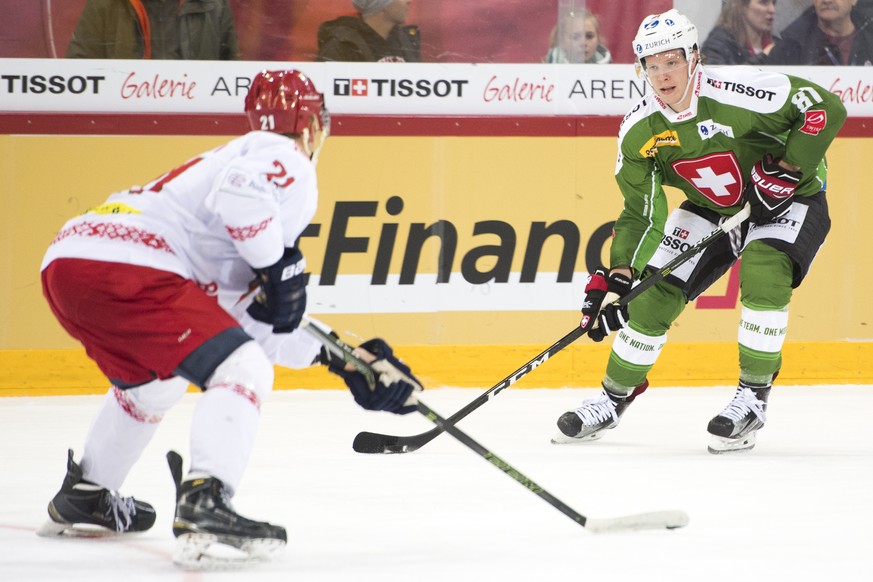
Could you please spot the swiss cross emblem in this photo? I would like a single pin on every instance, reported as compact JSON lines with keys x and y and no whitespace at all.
{"x":716,"y":176}
{"x":360,"y":87}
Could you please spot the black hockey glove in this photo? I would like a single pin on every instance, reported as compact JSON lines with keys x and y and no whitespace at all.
{"x":284,"y":293}
{"x":770,"y":190}
{"x":612,"y":317}
{"x":395,"y":382}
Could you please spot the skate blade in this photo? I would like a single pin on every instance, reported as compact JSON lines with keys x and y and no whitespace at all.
{"x":721,"y":445}
{"x":562,"y":439}
{"x":53,"y":529}
{"x":198,"y":551}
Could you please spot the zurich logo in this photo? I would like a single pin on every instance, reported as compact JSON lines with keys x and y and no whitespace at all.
{"x":669,"y":22}
{"x":639,"y":48}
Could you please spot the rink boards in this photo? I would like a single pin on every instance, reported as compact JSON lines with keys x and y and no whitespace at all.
{"x":465,"y":240}
{"x":69,"y":372}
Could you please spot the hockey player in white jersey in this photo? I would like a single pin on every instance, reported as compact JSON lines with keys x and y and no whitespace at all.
{"x":158,"y":284}
{"x":725,"y":137}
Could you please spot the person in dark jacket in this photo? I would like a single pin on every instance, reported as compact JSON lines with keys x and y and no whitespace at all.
{"x":155,"y":29}
{"x":830,"y":32}
{"x":743,"y":33}
{"x":376,"y":34}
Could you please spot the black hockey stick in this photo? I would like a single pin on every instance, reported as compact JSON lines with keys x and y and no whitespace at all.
{"x":671,"y":519}
{"x":371,"y":442}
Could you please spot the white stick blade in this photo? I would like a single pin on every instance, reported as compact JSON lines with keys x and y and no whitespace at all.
{"x":653,"y":520}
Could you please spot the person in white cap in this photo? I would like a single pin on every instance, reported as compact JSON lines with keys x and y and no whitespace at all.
{"x":377,"y":34}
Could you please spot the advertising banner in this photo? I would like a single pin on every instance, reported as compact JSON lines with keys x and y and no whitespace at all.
{"x":427,"y":240}
{"x":139,"y":86}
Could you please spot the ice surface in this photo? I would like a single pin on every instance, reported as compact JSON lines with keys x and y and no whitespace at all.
{"x":798,"y":507}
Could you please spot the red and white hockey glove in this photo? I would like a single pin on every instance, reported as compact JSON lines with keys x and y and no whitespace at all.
{"x":770,"y":189}
{"x":599,"y":290}
{"x":595,"y":291}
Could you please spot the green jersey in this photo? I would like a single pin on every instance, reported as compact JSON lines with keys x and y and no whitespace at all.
{"x":736,"y":116}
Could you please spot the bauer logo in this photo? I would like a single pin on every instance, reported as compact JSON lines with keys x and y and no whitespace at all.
{"x":405,"y":88}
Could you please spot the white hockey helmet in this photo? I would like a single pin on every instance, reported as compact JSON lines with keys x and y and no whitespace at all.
{"x":663,"y":32}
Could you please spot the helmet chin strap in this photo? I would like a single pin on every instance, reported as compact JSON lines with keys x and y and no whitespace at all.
{"x":312,"y":149}
{"x":691,"y":71}
{"x":304,"y":138}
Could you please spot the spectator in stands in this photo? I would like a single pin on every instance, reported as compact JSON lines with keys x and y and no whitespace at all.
{"x":376,"y":34}
{"x":742,"y":34}
{"x":155,"y":29}
{"x":831,"y":32}
{"x":577,"y":39}
{"x":787,"y":12}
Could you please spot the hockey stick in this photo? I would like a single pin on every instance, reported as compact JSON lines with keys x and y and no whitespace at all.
{"x":370,"y":442}
{"x":654,"y":520}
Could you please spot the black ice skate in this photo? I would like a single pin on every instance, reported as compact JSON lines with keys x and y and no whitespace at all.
{"x":208,"y":529}
{"x":595,"y":416}
{"x":735,"y":428}
{"x":83,"y":509}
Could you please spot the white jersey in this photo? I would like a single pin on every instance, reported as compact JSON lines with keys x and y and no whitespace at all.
{"x":211,"y":220}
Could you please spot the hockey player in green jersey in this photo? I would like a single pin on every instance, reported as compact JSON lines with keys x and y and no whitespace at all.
{"x":725,"y":137}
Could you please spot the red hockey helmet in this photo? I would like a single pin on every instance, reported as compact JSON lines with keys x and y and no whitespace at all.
{"x":285,"y":102}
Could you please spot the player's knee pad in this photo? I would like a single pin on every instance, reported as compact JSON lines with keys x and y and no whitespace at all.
{"x":246,"y":371}
{"x":761,"y":336}
{"x":149,"y":402}
{"x":766,"y":276}
{"x":763,"y":330}
{"x":633,"y":354}
{"x":655,"y":310}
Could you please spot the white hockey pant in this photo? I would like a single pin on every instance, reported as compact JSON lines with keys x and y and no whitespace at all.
{"x":124,"y":425}
{"x":226,"y":416}
{"x":223,"y":428}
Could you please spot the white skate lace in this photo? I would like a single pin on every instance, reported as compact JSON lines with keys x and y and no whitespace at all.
{"x":744,"y":402}
{"x":123,"y":510}
{"x":596,"y":410}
